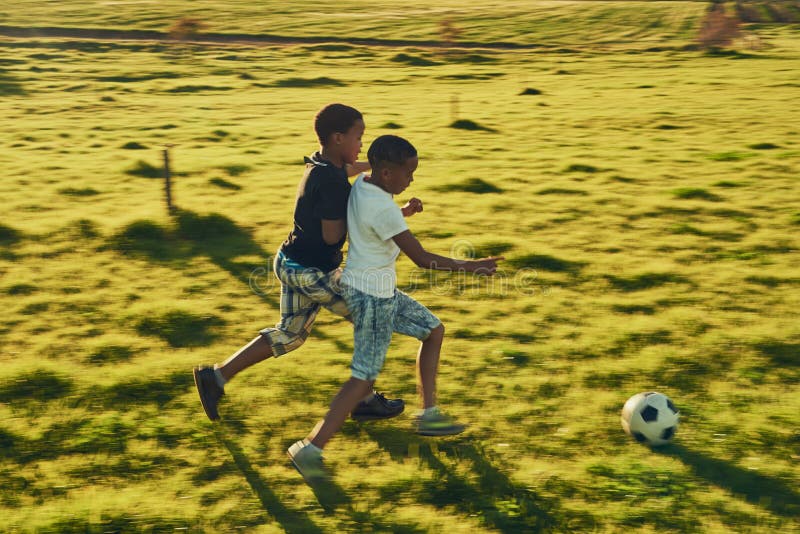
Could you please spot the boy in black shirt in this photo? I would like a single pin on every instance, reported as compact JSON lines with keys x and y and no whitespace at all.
{"x":307,"y":263}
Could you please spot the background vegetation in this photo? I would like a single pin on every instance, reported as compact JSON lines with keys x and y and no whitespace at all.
{"x":643,"y":191}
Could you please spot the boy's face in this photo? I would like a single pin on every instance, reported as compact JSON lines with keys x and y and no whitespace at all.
{"x":349,"y":142}
{"x":396,"y":178}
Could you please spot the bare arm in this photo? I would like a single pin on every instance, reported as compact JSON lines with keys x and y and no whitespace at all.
{"x":412,"y":248}
{"x":357,"y":168}
{"x":333,"y":230}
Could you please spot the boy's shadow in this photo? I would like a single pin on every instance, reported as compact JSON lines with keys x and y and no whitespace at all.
{"x":775,"y":495}
{"x":329,"y":495}
{"x":222,"y":241}
{"x":191,"y":235}
{"x":521,"y":510}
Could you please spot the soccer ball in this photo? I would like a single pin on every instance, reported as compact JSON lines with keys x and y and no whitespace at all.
{"x":650,"y":418}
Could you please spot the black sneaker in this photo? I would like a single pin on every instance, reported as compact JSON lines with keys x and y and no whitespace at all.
{"x":209,"y":390}
{"x":379,"y":407}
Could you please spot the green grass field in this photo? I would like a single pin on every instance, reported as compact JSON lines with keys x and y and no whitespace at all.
{"x":645,"y":195}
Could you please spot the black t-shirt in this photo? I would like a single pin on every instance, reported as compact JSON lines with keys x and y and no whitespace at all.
{"x":322,"y":194}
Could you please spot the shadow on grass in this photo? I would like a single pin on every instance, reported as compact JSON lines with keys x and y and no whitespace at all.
{"x":221,"y":240}
{"x":546,"y":263}
{"x":780,"y":352}
{"x":198,"y":88}
{"x":37,"y":385}
{"x":9,"y":236}
{"x":646,"y":281}
{"x":180,"y":328}
{"x":9,"y":85}
{"x":696,"y":193}
{"x":191,"y":234}
{"x":487,"y":493}
{"x":773,"y":494}
{"x":290,"y":520}
{"x":321,"y":81}
{"x":135,"y":78}
{"x":415,"y":61}
{"x":136,"y":392}
{"x":470,"y":185}
{"x":561,"y":191}
{"x":145,"y":170}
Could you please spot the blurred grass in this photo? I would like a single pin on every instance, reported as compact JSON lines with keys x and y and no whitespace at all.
{"x":639,"y":257}
{"x":542,"y":23}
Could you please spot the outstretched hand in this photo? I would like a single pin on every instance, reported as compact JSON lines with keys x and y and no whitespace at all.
{"x":487,"y":266}
{"x":412,"y":206}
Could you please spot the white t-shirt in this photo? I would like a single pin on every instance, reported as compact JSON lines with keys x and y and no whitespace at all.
{"x":373,"y":219}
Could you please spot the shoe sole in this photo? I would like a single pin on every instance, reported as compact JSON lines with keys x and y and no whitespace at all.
{"x":197,"y":380}
{"x":443,"y":432}
{"x":362,"y":418}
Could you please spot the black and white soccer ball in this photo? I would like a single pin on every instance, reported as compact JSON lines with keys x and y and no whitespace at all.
{"x":651,"y":418}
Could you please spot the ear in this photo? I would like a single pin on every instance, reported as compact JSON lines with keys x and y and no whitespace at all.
{"x":336,"y":138}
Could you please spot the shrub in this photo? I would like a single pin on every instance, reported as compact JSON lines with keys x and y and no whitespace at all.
{"x":466,"y":124}
{"x":448,"y":32}
{"x":186,"y":28}
{"x":718,"y":29}
{"x":133,"y":145}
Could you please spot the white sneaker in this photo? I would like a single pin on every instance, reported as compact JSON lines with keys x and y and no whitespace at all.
{"x":308,"y":461}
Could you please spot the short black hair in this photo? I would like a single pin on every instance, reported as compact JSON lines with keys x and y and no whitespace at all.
{"x":334,"y":118}
{"x":390,"y":149}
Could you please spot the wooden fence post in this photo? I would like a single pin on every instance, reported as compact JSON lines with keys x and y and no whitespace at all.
{"x":454,"y":108}
{"x":168,"y":181}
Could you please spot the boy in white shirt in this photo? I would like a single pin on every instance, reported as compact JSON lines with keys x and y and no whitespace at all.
{"x":378,"y":233}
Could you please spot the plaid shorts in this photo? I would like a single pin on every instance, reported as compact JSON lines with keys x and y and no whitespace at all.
{"x":374,"y":320}
{"x":303,"y":291}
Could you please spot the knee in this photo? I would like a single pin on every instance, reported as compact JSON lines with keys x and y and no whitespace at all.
{"x":437,"y":334}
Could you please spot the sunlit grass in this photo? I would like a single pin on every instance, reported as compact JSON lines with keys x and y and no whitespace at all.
{"x":645,"y":204}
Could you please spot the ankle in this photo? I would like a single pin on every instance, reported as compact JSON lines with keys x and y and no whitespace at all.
{"x":310,"y":444}
{"x":221,"y":380}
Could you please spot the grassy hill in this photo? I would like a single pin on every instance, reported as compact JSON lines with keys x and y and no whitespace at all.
{"x":645,"y":200}
{"x":521,"y":22}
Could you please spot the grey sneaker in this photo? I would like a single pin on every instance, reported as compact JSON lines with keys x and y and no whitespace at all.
{"x":307,"y":461}
{"x":209,"y":390}
{"x":437,"y":424}
{"x":379,"y":407}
